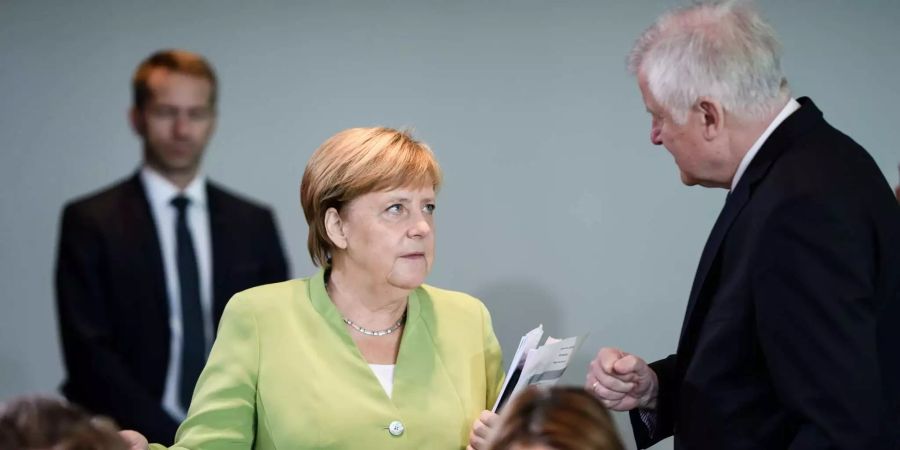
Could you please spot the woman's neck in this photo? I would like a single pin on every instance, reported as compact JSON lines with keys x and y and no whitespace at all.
{"x":370,"y":303}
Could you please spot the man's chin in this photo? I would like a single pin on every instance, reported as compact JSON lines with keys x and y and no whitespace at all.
{"x":178,"y":166}
{"x":688,"y":180}
{"x":174,"y":164}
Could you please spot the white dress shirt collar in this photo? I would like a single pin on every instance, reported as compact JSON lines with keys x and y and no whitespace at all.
{"x":791,"y":106}
{"x":161,"y":191}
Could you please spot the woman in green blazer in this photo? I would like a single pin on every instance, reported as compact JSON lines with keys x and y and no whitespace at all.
{"x":362,"y":354}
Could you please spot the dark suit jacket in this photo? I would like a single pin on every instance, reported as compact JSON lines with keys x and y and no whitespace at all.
{"x":112,"y":301}
{"x":790,"y":340}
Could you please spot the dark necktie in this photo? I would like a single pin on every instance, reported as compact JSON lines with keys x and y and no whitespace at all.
{"x":193,"y":343}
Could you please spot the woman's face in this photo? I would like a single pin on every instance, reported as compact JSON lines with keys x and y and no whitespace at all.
{"x":389,"y":235}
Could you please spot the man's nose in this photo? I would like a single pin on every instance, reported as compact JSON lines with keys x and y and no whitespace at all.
{"x":181,"y":125}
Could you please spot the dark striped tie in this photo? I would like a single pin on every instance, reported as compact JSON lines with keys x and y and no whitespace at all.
{"x":193,"y":343}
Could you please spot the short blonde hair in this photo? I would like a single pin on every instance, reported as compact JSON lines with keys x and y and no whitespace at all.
{"x":354,"y":162}
{"x":564,"y":418}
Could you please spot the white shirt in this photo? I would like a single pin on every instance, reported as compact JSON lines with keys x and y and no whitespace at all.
{"x":792,"y":105}
{"x":385,"y":375}
{"x":160,"y":193}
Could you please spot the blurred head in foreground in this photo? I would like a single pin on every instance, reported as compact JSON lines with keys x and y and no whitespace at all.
{"x":49,"y":423}
{"x":565,"y":418}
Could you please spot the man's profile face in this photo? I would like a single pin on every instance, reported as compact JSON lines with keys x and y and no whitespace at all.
{"x":699,"y":161}
{"x":176,"y":122}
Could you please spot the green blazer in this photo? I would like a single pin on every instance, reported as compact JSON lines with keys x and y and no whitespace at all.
{"x":284,"y":373}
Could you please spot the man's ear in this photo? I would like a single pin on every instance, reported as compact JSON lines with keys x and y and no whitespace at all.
{"x":334,"y":227}
{"x":713,"y":116}
{"x":137,"y":121}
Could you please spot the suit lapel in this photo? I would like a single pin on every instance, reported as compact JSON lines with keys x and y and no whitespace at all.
{"x":733,"y":206}
{"x":140,"y":227}
{"x":221,"y":257}
{"x":797,"y":123}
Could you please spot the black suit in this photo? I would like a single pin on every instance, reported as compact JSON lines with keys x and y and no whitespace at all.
{"x":112,"y":299}
{"x":790,"y":340}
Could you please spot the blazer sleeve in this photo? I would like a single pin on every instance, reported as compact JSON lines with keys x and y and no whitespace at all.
{"x":97,"y":377}
{"x":223,"y":411}
{"x":814,"y":292}
{"x":659,"y":422}
{"x":493,"y":358}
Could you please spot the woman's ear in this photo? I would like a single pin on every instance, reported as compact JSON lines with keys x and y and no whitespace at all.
{"x":334,"y":227}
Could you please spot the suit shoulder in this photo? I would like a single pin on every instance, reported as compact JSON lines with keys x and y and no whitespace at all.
{"x":828,"y":163}
{"x":102,"y":197}
{"x":104,"y":201}
{"x":226,"y":198}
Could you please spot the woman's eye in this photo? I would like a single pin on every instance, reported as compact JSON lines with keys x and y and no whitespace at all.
{"x":395,"y":208}
{"x":429,"y":208}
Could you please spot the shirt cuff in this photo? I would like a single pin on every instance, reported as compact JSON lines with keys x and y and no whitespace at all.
{"x":648,"y":417}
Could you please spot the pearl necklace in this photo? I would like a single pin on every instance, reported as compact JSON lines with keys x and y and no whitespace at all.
{"x":369,"y":332}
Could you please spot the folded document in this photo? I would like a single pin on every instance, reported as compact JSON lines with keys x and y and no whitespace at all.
{"x":535,"y":364}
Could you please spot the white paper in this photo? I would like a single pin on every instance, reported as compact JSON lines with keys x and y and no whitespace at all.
{"x":534,"y":364}
{"x":528,"y":342}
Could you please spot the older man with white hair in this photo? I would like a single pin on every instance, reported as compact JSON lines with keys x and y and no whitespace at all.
{"x":790,"y":339}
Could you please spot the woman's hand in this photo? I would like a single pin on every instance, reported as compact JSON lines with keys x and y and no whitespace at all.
{"x":482,"y":429}
{"x":135,"y":440}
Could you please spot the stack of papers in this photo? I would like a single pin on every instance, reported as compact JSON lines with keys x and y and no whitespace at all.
{"x":535,"y":364}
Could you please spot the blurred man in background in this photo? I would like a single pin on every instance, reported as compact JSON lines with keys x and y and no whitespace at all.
{"x":146,"y":266}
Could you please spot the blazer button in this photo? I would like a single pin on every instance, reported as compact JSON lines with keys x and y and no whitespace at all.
{"x":395,"y":428}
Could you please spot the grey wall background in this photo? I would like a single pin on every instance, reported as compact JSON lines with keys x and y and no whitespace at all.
{"x":556,"y":208}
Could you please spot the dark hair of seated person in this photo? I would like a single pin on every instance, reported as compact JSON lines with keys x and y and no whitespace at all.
{"x":561,"y":418}
{"x":36,"y":422}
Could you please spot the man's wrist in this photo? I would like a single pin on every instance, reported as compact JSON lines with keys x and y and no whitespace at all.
{"x":652,"y":392}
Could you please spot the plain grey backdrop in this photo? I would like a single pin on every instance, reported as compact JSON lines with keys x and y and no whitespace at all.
{"x":556,"y":208}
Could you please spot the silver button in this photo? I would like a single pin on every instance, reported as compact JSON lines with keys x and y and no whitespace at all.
{"x":395,"y":428}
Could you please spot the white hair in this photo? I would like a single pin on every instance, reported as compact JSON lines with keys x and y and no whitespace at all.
{"x":722,"y":50}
